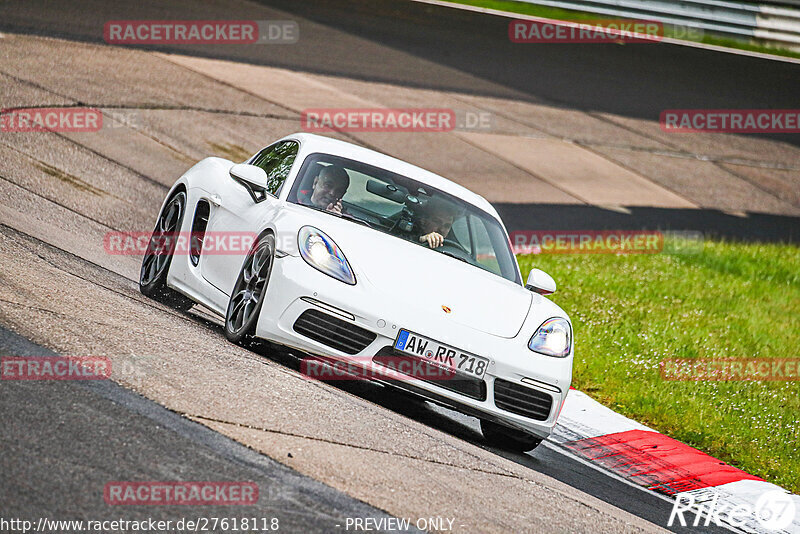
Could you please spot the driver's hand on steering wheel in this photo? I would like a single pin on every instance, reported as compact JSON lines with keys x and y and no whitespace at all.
{"x":434,"y":239}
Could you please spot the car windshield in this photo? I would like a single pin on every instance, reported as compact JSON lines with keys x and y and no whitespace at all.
{"x":408,"y":209}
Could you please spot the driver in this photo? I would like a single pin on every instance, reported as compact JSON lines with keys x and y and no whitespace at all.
{"x":327,"y":190}
{"x":433,"y":221}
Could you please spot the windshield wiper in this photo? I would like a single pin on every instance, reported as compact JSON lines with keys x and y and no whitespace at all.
{"x":355,"y":219}
{"x":454,"y":256}
{"x":346,"y":216}
{"x":323,"y":210}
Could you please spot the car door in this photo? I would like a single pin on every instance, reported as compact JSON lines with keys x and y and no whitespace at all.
{"x":239,"y":213}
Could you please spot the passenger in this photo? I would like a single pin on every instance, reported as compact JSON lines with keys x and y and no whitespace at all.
{"x":327,"y":190}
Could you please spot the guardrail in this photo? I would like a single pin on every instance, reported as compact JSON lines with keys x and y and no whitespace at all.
{"x":785,"y":3}
{"x":769,"y":24}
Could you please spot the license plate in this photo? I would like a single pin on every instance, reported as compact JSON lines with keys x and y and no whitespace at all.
{"x":440,"y":354}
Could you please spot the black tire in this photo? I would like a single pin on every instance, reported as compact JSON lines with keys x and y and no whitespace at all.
{"x":509,"y":439}
{"x":158,"y":256}
{"x":248,"y":293}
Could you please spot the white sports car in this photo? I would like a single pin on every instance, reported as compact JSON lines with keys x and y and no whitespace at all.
{"x":365,"y":259}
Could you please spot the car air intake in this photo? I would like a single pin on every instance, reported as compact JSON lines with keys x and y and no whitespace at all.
{"x":521,"y":400}
{"x":333,"y":332}
{"x":199,"y":231}
{"x":459,"y":383}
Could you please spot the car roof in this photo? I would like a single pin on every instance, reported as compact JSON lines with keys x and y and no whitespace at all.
{"x":319,"y":143}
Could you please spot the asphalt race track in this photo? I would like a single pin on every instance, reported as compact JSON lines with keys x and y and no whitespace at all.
{"x":186,"y":404}
{"x":72,"y":435}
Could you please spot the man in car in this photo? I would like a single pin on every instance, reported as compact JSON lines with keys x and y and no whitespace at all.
{"x":327,"y":190}
{"x":433,"y":221}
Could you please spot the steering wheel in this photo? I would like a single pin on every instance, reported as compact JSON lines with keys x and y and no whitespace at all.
{"x":455,"y":244}
{"x":456,"y":247}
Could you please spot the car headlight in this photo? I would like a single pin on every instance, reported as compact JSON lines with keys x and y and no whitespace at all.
{"x":553,"y":338}
{"x":321,"y":253}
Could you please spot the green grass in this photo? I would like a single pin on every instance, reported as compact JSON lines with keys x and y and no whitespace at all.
{"x":580,"y":16}
{"x":729,"y":301}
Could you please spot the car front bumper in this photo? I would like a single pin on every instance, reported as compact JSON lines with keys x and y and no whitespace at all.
{"x":295,"y":288}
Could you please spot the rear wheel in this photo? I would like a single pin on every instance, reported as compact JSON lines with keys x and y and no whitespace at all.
{"x":248,"y":293}
{"x":158,"y":256}
{"x":507,"y":438}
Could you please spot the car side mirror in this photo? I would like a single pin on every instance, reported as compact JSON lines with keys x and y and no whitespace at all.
{"x":540,"y":282}
{"x":253,"y":178}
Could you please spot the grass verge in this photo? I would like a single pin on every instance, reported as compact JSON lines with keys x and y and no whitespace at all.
{"x":731,"y":300}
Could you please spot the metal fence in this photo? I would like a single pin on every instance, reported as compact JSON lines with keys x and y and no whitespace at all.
{"x":771,"y":24}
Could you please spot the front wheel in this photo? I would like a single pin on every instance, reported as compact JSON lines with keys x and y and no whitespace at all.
{"x":248,"y":293}
{"x":159,"y":253}
{"x":509,"y":439}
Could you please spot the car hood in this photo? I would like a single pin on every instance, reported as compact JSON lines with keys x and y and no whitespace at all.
{"x":427,"y":282}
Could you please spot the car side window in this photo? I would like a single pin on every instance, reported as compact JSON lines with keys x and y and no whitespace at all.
{"x":277,"y":161}
{"x":487,"y":238}
{"x":460,"y":233}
